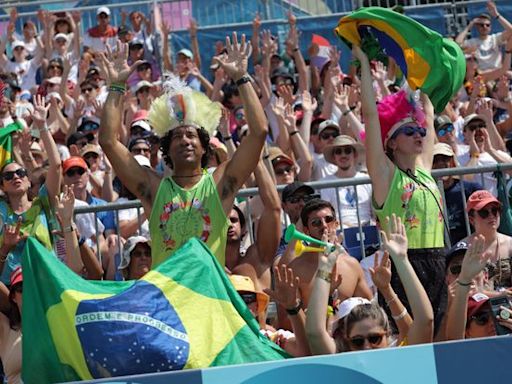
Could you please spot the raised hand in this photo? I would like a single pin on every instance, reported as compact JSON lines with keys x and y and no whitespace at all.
{"x":278,"y":107}
{"x":76,"y":16}
{"x":487,"y":141}
{"x":235,"y":63}
{"x":485,"y":108}
{"x":40,"y":112}
{"x":224,"y":123}
{"x":266,"y":42}
{"x":341,"y":93}
{"x":379,"y":73}
{"x":12,"y":234}
{"x":289,"y":118}
{"x":256,"y":22}
{"x":286,"y":92}
{"x":394,"y":239}
{"x":65,"y":204}
{"x":115,"y":64}
{"x":292,"y":20}
{"x":381,"y":272}
{"x":309,"y":103}
{"x":165,"y":29}
{"x":192,"y":29}
{"x":475,"y":260}
{"x":493,"y":10}
{"x":286,"y":288}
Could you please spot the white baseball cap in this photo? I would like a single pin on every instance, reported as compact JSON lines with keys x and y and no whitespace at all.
{"x":103,"y":10}
{"x":346,"y":307}
{"x":129,"y":246}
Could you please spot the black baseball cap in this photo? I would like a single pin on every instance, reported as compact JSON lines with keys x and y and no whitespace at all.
{"x":458,"y":249}
{"x":294,"y":187}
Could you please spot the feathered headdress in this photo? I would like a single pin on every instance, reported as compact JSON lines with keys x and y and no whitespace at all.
{"x":396,"y":110}
{"x":182,"y":106}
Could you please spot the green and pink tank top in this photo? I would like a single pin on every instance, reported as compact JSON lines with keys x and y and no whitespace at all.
{"x":416,"y":206}
{"x":179,"y":214}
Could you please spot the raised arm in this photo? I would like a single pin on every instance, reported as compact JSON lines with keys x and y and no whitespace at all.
{"x":320,"y":342}
{"x":195,"y":44}
{"x":166,"y":54}
{"x":426,"y":157}
{"x":493,"y":10}
{"x":231,"y":177}
{"x":141,"y":181}
{"x":473,"y":263}
{"x":395,"y":242}
{"x":379,"y":166}
{"x":54,"y":176}
{"x":255,"y":39}
{"x":485,"y":109}
{"x":299,"y":147}
{"x":293,"y":45}
{"x":461,"y":37}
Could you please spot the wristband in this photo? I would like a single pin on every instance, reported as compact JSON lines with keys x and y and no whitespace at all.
{"x":293,"y":133}
{"x":464,"y":284}
{"x":117,"y":88}
{"x":244,"y":79}
{"x":400,"y":316}
{"x":294,"y":311}
{"x":324,"y":275}
{"x":227,"y":138}
{"x":81,"y":241}
{"x":69,"y":228}
{"x":44,"y":129}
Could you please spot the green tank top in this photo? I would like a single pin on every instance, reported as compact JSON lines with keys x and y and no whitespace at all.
{"x":415,"y":205}
{"x":179,"y":214}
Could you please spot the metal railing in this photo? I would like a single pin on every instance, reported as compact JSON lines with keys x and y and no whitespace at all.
{"x":337,"y":184}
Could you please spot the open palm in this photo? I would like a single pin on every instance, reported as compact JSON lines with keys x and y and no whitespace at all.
{"x":235,"y":63}
{"x":395,"y":238}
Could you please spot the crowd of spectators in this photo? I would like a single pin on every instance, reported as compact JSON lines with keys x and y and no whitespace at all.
{"x":84,"y":103}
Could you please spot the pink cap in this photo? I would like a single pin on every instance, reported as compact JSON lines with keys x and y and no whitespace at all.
{"x":479,"y":199}
{"x":141,"y":114}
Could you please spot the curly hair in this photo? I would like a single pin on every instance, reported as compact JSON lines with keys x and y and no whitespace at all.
{"x":204,"y":138}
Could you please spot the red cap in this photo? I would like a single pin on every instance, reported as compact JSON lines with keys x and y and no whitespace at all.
{"x":74,"y":161}
{"x":16,"y":276}
{"x":475,"y":303}
{"x":479,"y":199}
{"x":141,"y":114}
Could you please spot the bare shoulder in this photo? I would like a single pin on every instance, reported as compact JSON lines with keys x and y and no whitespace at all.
{"x":349,"y":262}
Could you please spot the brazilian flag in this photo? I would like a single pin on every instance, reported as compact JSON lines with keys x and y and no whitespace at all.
{"x":184,"y":314}
{"x":6,"y":142}
{"x":434,"y":64}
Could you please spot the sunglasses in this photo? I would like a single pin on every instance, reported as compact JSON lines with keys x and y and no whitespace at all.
{"x":410,"y":131}
{"x":54,"y":67}
{"x":443,"y":131}
{"x":138,"y":151}
{"x":343,"y":151}
{"x":317,"y":221}
{"x":373,"y":338}
{"x":474,"y":127}
{"x":85,"y":90}
{"x":282,"y":171}
{"x":248,"y":298}
{"x":484,"y":24}
{"x":455,"y":269}
{"x":239,"y":116}
{"x":75,"y":171}
{"x":305,"y":198}
{"x":91,"y":155}
{"x":484,"y":213}
{"x":328,"y":135}
{"x":20,"y":172}
{"x":481,"y":318}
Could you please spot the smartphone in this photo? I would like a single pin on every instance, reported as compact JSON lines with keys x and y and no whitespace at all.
{"x":496,"y":304}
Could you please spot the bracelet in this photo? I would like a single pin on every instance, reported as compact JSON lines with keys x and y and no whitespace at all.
{"x":324,"y":275}
{"x":294,"y":311}
{"x":69,"y":228}
{"x":464,"y":284}
{"x":117,"y":88}
{"x":400,"y":316}
{"x":227,"y":138}
{"x":392,"y":300}
{"x":293,"y":133}
{"x":244,"y":79}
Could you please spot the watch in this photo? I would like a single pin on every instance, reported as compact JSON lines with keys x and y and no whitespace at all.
{"x":244,"y":79}
{"x":296,"y":310}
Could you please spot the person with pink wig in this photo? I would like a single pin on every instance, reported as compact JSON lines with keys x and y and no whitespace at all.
{"x":400,"y":139}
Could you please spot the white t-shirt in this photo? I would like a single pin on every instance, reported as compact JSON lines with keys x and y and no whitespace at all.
{"x":489,"y":181}
{"x":131,"y":214}
{"x":488,"y":53}
{"x":25,"y":72}
{"x":321,"y":167}
{"x":347,"y":197}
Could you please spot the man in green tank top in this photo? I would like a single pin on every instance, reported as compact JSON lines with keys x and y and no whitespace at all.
{"x":190,"y":203}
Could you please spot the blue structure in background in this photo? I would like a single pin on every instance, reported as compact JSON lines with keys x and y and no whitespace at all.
{"x":470,"y":361}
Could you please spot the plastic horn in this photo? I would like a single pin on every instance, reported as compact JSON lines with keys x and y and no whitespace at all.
{"x":300,"y":248}
{"x":292,"y":233}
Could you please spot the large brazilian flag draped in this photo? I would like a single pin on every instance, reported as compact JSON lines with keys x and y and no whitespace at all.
{"x":6,"y":142}
{"x":184,"y":314}
{"x":434,"y":64}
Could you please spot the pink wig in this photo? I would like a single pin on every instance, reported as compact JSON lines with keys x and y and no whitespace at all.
{"x":396,"y":110}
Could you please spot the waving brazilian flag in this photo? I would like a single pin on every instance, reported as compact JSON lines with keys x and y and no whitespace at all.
{"x":6,"y":142}
{"x":434,"y":64}
{"x":184,"y":314}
